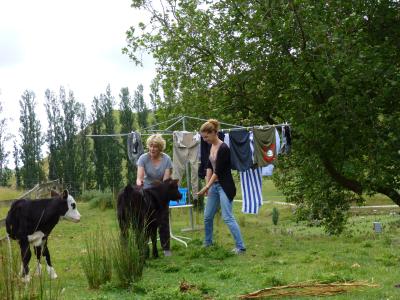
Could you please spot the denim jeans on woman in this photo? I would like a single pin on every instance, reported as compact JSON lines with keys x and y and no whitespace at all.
{"x":217,"y":197}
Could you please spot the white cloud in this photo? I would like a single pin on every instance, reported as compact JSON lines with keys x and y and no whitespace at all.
{"x":73,"y":43}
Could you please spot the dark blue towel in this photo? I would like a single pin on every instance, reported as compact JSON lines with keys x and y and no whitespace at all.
{"x":239,"y":142}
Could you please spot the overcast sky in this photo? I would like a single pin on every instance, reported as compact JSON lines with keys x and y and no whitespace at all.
{"x":73,"y":43}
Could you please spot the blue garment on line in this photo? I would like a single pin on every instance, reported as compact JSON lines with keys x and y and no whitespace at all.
{"x":241,"y":158}
{"x":251,"y":184}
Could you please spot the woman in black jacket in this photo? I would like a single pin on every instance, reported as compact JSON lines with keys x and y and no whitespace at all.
{"x":220,"y":188}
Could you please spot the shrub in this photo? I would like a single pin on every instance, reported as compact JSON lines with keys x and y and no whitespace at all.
{"x":102,"y":200}
{"x":96,"y":263}
{"x":274,"y":281}
{"x":128,"y":256}
{"x":275,"y":216}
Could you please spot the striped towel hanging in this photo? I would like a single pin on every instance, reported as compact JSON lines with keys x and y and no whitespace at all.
{"x":251,"y":184}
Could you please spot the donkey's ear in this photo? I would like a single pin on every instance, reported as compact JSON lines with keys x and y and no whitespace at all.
{"x":65,"y":194}
{"x":54,"y":193}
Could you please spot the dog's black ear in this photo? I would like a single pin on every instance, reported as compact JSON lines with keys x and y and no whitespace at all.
{"x":65,"y":194}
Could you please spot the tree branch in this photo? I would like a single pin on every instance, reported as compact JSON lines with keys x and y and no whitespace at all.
{"x":350,"y":184}
{"x":391,"y":193}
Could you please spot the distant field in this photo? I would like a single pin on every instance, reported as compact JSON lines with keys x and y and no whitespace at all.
{"x":9,"y":193}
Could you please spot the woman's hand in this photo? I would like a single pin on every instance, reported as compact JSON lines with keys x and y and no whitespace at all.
{"x":139,"y":182}
{"x":203,"y":191}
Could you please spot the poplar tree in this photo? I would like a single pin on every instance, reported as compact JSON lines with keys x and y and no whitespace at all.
{"x":85,"y":167}
{"x":31,"y":141}
{"x":99,"y":153}
{"x":140,"y":106}
{"x":17,"y":168}
{"x":4,"y":138}
{"x":55,"y":135}
{"x":126,"y":119}
{"x":112,"y":143}
{"x":70,"y":125}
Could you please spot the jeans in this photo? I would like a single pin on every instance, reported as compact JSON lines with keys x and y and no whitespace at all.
{"x":217,"y":197}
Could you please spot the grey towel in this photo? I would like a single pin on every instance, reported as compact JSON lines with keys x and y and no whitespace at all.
{"x":135,"y":147}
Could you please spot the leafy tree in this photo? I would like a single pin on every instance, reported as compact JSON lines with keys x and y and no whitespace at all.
{"x":85,"y":167}
{"x":99,"y":146}
{"x":126,"y":119}
{"x":31,"y":141}
{"x":16,"y":156}
{"x":4,"y":138}
{"x":108,"y":158}
{"x":55,"y":135}
{"x":113,"y":153}
{"x":70,"y":148}
{"x":155,"y":97}
{"x":331,"y":69}
{"x":140,"y":106}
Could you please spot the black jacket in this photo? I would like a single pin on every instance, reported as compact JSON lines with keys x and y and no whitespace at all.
{"x":223,"y":170}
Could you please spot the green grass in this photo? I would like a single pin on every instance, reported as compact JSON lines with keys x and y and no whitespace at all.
{"x":9,"y":193}
{"x":287,"y":253}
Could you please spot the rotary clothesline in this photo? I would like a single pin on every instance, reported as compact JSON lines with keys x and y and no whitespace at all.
{"x":183,"y":119}
{"x":250,"y":178}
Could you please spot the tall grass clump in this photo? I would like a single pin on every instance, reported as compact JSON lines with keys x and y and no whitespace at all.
{"x":97,"y":263}
{"x":8,"y":264}
{"x":11,"y":285}
{"x":128,"y":256}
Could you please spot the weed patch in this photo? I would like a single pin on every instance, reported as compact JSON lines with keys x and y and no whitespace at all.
{"x":274,"y":281}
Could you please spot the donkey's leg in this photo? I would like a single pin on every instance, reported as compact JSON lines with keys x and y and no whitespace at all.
{"x":50,"y":269}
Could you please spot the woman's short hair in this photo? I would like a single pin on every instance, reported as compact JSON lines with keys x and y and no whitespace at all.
{"x":211,"y":125}
{"x":157,"y":140}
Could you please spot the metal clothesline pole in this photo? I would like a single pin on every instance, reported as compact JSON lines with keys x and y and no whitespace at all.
{"x":154,"y":125}
{"x":200,"y":119}
{"x":181,"y":119}
{"x":254,"y":127}
{"x":106,"y":135}
{"x":167,"y":131}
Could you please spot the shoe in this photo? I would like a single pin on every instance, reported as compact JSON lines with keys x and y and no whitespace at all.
{"x":238,"y":251}
{"x":167,"y":253}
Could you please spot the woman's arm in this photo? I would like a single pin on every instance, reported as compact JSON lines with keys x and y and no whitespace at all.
{"x":210,"y":179}
{"x":167,"y":174}
{"x":140,"y":176}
